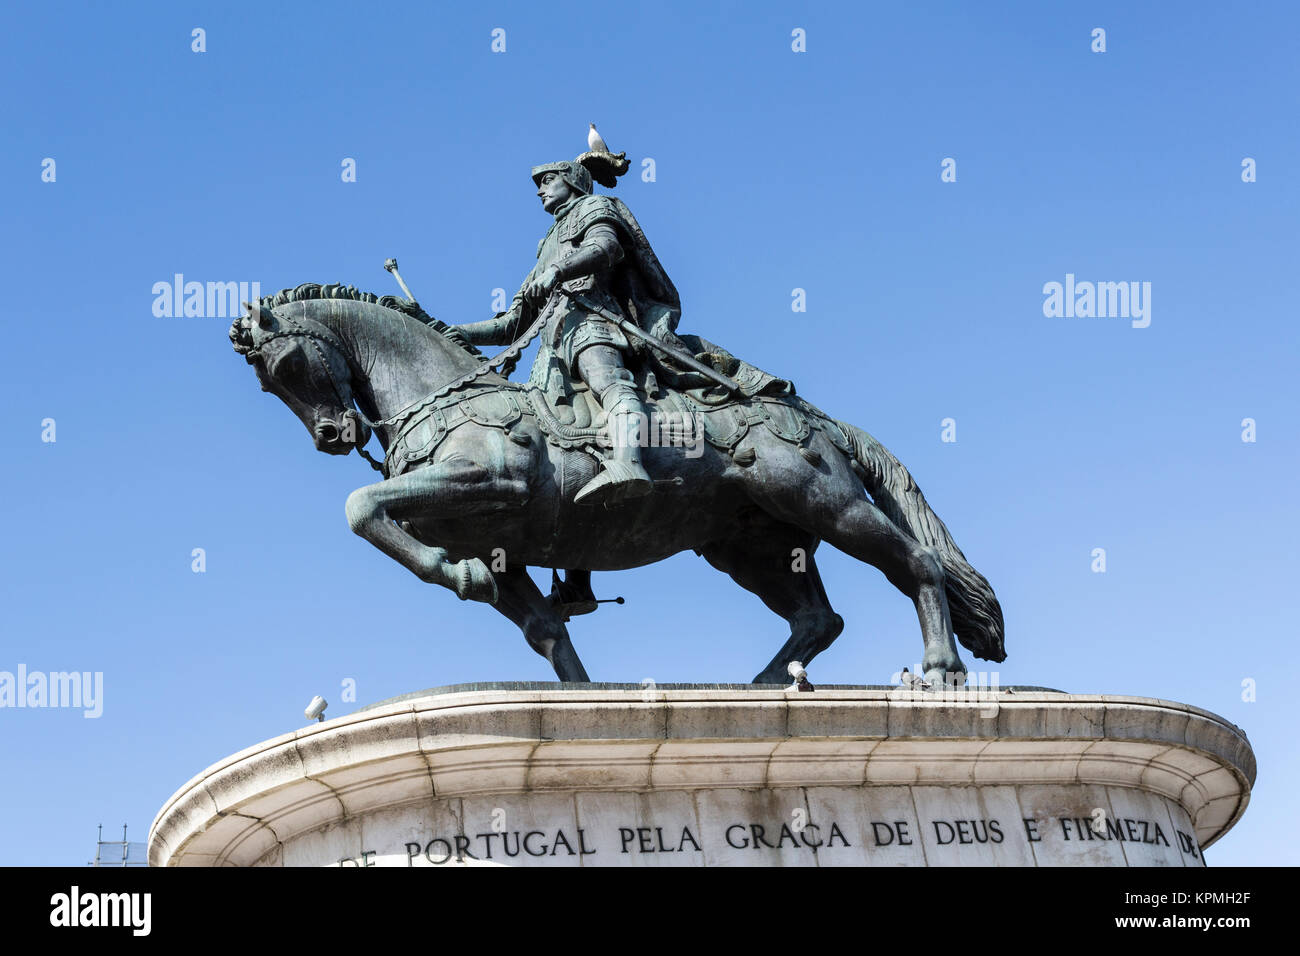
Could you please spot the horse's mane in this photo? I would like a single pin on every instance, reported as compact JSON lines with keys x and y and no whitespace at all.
{"x":314,"y":290}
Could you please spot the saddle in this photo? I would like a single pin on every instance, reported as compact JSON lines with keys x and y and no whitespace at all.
{"x":695,"y":405}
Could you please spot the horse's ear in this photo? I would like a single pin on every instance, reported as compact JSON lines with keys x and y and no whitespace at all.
{"x":263,"y":318}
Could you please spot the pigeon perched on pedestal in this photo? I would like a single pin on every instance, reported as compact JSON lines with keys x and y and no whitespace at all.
{"x":913,"y":680}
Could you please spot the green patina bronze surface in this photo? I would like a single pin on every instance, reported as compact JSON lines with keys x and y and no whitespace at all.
{"x":628,"y":443}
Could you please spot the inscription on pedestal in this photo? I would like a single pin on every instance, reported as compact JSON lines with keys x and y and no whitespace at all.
{"x":824,"y":826}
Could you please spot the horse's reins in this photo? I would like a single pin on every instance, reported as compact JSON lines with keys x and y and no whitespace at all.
{"x":496,"y":362}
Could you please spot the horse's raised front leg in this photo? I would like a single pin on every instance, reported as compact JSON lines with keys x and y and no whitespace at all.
{"x":451,"y":488}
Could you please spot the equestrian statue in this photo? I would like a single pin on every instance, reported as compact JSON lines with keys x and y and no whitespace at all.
{"x":628,"y":443}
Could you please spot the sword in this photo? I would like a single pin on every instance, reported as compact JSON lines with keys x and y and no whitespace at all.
{"x":632,"y":329}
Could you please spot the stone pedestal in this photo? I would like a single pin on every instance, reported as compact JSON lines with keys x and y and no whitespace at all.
{"x":612,"y":775}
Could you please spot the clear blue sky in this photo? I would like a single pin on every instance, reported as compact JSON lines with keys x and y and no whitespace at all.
{"x":775,"y":170}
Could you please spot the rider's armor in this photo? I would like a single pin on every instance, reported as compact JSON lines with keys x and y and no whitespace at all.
{"x":597,"y":251}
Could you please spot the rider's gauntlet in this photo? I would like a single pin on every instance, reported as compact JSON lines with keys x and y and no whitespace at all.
{"x":499,"y":330}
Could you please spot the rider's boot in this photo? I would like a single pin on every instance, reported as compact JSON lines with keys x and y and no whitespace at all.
{"x":623,"y":476}
{"x":572,"y":595}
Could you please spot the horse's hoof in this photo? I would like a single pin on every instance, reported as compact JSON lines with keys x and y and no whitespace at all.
{"x":939,"y":679}
{"x":474,"y":582}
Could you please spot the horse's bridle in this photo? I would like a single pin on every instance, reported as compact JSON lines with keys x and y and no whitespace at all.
{"x":485,"y":366}
{"x":298,"y":330}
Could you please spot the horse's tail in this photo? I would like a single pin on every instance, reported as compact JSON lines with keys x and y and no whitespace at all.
{"x":976,"y":613}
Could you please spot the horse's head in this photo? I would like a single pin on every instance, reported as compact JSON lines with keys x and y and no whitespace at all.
{"x":304,"y":364}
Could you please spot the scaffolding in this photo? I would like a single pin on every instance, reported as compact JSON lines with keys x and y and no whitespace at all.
{"x":119,"y":852}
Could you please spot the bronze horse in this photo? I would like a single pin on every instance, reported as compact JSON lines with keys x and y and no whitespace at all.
{"x":479,"y":487}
